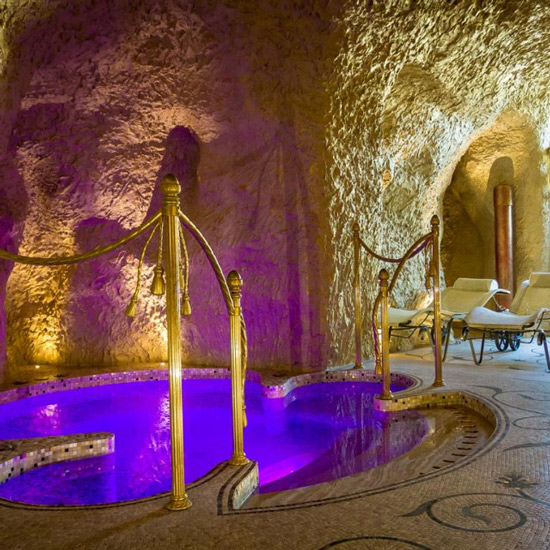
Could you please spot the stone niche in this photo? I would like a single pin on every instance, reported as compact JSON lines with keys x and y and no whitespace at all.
{"x":286,"y":122}
{"x":506,"y":153}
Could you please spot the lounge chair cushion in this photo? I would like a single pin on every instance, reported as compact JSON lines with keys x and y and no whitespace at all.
{"x":539,"y":280}
{"x":481,"y":317}
{"x":466,"y":294}
{"x":456,"y":301}
{"x":533,"y":296}
{"x":407,"y":316}
{"x":516,"y":302}
{"x":475,"y":285}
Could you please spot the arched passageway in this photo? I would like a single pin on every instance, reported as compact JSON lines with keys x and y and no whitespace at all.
{"x":507,"y":153}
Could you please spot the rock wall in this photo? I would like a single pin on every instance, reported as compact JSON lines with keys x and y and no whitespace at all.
{"x":122,"y":93}
{"x":507,"y":153}
{"x":414,"y":84}
{"x":285,"y":122}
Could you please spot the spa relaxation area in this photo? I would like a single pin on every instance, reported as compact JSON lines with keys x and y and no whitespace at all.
{"x":274,"y":275}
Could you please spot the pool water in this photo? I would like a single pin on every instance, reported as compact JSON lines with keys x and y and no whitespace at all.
{"x":316,"y":433}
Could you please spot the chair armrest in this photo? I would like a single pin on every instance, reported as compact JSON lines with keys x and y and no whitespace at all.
{"x":500,"y":292}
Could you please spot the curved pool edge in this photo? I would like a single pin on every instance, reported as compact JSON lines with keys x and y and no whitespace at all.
{"x":276,"y":390}
{"x":336,"y":492}
{"x":270,"y":388}
{"x":243,"y":481}
{"x":435,"y":399}
{"x":22,"y":455}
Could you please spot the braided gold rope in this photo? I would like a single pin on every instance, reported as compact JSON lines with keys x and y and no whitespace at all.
{"x":159,"y":251}
{"x":415,"y":249}
{"x":244,"y":365}
{"x":409,"y":253}
{"x":421,"y":244}
{"x":134,"y":299}
{"x":212,"y":259}
{"x":184,"y":272}
{"x":77,"y":258}
{"x":199,"y":237}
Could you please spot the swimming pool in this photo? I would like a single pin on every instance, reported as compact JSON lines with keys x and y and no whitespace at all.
{"x":316,"y":433}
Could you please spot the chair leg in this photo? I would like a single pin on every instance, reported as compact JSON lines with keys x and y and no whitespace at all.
{"x":446,"y":341}
{"x":476,"y":360}
{"x":542,"y":341}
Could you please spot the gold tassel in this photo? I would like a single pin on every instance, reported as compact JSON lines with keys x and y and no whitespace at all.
{"x":158,"y":286}
{"x":184,"y":276}
{"x":132,"y":307}
{"x":185,"y":305}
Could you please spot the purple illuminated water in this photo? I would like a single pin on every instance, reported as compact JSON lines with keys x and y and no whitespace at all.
{"x":316,"y":433}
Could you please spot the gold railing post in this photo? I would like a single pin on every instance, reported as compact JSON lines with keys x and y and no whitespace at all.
{"x":438,"y":381}
{"x":383,"y":279}
{"x":357,"y":295}
{"x":377,"y":345}
{"x":170,"y":209}
{"x":235,"y":283}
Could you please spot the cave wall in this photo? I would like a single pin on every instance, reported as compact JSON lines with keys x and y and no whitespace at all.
{"x":415,"y":84}
{"x":507,"y":153}
{"x":285,"y":121}
{"x":112,"y":86}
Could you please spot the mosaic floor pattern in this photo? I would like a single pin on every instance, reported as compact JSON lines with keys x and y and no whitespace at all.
{"x":497,"y":499}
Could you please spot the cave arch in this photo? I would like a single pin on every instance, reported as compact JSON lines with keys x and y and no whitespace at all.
{"x":508,"y":152}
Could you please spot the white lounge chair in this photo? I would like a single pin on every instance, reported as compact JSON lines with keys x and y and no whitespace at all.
{"x":456,"y":302}
{"x":529,"y":316}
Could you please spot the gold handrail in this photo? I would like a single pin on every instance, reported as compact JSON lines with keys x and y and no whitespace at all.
{"x":239,"y":349}
{"x":170,"y":220}
{"x":381,"y":300}
{"x":192,"y":228}
{"x":415,"y":249}
{"x":435,"y":274}
{"x":383,"y":294}
{"x":77,"y":258}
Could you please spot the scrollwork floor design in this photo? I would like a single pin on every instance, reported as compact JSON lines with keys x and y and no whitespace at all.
{"x":496,"y":499}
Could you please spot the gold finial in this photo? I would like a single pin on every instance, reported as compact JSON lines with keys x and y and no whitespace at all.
{"x":383,"y":276}
{"x":235,"y":282}
{"x":158,"y":286}
{"x":170,"y":185}
{"x":435,"y":220}
{"x":356,"y":226}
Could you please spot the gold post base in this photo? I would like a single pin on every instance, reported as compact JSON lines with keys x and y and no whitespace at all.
{"x":438,"y":384}
{"x":181,"y":503}
{"x":357,"y":366}
{"x":388,"y":397}
{"x":239,"y":460}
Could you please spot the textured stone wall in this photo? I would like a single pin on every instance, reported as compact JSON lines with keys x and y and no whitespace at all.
{"x":414,"y":84}
{"x":507,"y":153}
{"x":284,"y":121}
{"x":113,"y":88}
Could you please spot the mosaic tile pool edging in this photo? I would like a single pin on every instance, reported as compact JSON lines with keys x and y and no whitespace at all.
{"x":269,"y":390}
{"x":241,"y":483}
{"x":440,"y":398}
{"x":240,"y":491}
{"x":20,"y":455}
{"x":77,"y":446}
{"x":282,"y":389}
{"x":481,"y":405}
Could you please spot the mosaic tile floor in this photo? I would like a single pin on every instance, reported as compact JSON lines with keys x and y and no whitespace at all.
{"x":498,"y":498}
